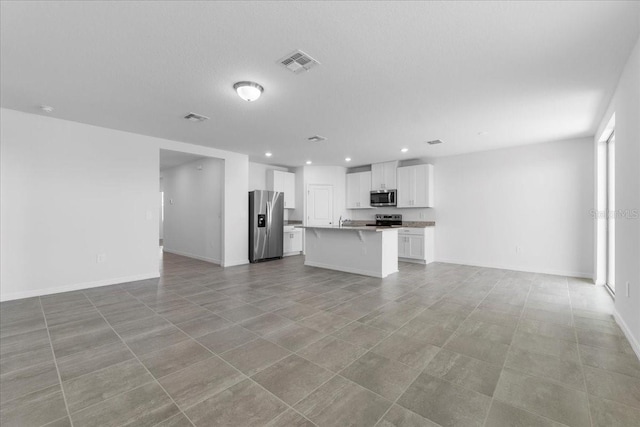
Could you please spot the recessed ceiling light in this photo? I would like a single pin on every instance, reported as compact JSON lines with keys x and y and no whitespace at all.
{"x":404,"y":150}
{"x":347,"y":159}
{"x":308,"y":162}
{"x":249,"y":91}
{"x":268,"y":154}
{"x":46,"y":108}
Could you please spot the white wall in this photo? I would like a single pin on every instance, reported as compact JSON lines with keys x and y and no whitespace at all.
{"x":193,"y":209}
{"x":626,"y":106}
{"x":536,"y":197}
{"x":70,"y":191}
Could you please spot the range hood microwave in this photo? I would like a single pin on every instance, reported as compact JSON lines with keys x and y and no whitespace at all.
{"x":383,"y":198}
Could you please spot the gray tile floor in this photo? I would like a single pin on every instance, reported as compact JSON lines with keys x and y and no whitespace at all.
{"x":281,"y":344}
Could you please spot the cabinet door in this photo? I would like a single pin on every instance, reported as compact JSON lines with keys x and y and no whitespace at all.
{"x":286,"y":242}
{"x":423,"y":186}
{"x":278,"y":181}
{"x":353,"y":190}
{"x":416,"y":247}
{"x":402,"y":246}
{"x":289,"y":188}
{"x":405,"y":187}
{"x":377,"y":177}
{"x":390,"y":175}
{"x":296,"y":241}
{"x":364,"y":199}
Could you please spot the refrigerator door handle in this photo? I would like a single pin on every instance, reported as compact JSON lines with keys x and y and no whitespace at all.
{"x":268,"y":219}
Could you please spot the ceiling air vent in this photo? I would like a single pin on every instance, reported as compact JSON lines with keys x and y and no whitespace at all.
{"x":434,"y":142}
{"x":298,"y":62}
{"x":316,"y":138}
{"x":193,"y":117}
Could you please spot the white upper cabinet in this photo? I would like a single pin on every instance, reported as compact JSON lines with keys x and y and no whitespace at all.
{"x":383,"y":176}
{"x":358,"y":190}
{"x":415,"y":186}
{"x":284,"y":182}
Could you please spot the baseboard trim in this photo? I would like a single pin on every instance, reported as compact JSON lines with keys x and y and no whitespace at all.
{"x":189,"y":255}
{"x":78,"y":286}
{"x":235,"y":262}
{"x":579,"y":274}
{"x":346,"y":269}
{"x":291,"y":253}
{"x":627,"y":332}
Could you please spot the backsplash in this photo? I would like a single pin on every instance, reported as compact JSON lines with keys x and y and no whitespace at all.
{"x":408,"y":214}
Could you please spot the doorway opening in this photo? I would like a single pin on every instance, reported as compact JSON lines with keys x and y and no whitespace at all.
{"x":605,"y":208}
{"x":610,"y":223}
{"x":191,"y":205}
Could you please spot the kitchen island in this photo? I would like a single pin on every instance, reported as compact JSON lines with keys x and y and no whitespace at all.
{"x":370,"y":251}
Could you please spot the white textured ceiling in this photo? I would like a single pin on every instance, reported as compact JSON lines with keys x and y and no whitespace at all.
{"x":392,"y":74}
{"x":171,"y":159}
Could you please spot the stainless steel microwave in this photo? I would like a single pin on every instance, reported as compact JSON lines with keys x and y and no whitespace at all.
{"x":383,"y":198}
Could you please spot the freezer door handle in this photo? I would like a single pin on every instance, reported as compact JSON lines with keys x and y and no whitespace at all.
{"x":268,"y":219}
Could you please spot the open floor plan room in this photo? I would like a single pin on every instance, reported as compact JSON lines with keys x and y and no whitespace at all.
{"x":329,"y":213}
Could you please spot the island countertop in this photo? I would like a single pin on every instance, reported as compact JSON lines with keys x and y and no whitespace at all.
{"x":349,"y":227}
{"x":367,"y":250}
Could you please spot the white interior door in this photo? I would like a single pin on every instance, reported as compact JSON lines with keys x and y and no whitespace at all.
{"x":319,"y":204}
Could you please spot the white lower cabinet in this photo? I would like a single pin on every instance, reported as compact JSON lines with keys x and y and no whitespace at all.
{"x":292,"y":242}
{"x":416,"y":245}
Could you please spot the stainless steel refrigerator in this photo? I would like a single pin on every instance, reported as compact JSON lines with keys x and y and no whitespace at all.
{"x":266,"y":225}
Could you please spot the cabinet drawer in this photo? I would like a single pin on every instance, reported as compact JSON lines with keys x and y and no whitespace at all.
{"x":411,"y":231}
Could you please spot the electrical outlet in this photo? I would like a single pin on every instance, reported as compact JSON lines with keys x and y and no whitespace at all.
{"x":421,"y":215}
{"x":100,"y":258}
{"x":518,"y":249}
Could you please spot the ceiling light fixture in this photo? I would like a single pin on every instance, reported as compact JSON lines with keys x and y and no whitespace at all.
{"x":347,"y":159}
{"x":268,"y":154}
{"x":249,"y":91}
{"x":308,"y":162}
{"x":404,"y":150}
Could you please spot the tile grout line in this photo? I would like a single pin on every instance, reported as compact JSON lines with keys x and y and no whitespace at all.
{"x":584,"y":376}
{"x":528,"y":374}
{"x":224,"y":361}
{"x":486,"y":418}
{"x":55,"y":361}
{"x":395,"y":402}
{"x":139,"y":361}
{"x":292,"y":353}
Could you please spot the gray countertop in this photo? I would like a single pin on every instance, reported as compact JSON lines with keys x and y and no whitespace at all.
{"x":349,"y":228}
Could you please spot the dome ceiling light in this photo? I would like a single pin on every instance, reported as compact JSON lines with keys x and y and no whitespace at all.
{"x":249,"y":91}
